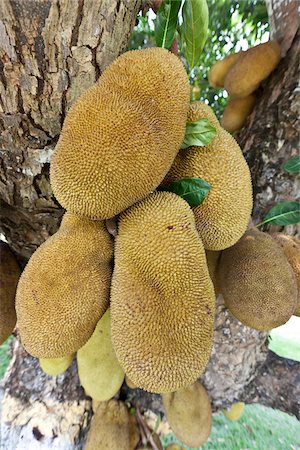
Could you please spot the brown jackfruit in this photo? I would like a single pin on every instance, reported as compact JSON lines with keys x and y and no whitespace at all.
{"x":251,"y":68}
{"x":219,"y":70}
{"x":162,"y":299}
{"x":121,"y":136}
{"x":235,"y":412}
{"x":112,"y":428}
{"x":189,"y":414}
{"x":223,"y":216}
{"x":99,"y":371}
{"x":236,"y":112}
{"x":257,"y":282}
{"x":291,"y":248}
{"x":55,"y":366}
{"x":64,"y":289}
{"x":9,"y":277}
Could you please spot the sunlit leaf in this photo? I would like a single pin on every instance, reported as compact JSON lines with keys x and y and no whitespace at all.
{"x":198,"y":133}
{"x":193,"y":190}
{"x":166,"y":22}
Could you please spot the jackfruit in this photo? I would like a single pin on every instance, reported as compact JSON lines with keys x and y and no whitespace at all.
{"x":64,"y":289}
{"x":252,"y":67}
{"x":129,"y":383}
{"x":113,"y":428}
{"x":9,"y":277}
{"x":55,"y":366}
{"x":162,"y":299}
{"x":236,"y":112}
{"x":235,"y":412}
{"x":223,"y":216}
{"x":257,"y":282}
{"x":99,"y":372}
{"x":189,"y":414}
{"x":291,"y":248}
{"x":120,"y":138}
{"x":174,"y":447}
{"x":219,"y":70}
{"x":200,"y":110}
{"x":212,"y":259}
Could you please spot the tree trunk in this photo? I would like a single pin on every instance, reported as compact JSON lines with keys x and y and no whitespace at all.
{"x":51,"y":52}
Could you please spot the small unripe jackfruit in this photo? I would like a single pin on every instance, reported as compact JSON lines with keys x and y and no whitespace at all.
{"x":112,"y":428}
{"x":120,"y":138}
{"x":9,"y":277}
{"x":64,"y":289}
{"x":257,"y":282}
{"x":235,"y":412}
{"x":99,"y":371}
{"x":189,"y":414}
{"x":162,"y":299}
{"x":55,"y":366}
{"x":253,"y":66}
{"x":291,"y":248}
{"x":219,"y":70}
{"x":236,"y":112}
{"x":223,"y":216}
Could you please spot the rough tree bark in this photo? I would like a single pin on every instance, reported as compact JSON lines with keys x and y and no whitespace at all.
{"x":51,"y":52}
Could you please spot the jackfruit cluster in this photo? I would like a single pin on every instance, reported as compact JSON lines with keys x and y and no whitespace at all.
{"x":9,"y":277}
{"x":257,"y":282}
{"x":120,"y":138}
{"x":189,"y":414}
{"x":223,"y":216}
{"x":64,"y":289}
{"x":241,"y":74}
{"x":162,"y":298}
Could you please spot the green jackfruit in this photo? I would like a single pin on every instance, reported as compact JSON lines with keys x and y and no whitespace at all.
{"x":219,"y":70}
{"x":112,"y":428}
{"x":236,"y":112}
{"x":99,"y":372}
{"x":291,"y":248}
{"x":120,"y":138}
{"x":189,"y":414}
{"x":9,"y":277}
{"x":235,"y":412}
{"x":64,"y":289}
{"x":55,"y":366}
{"x":257,"y":282}
{"x":251,"y":68}
{"x":223,"y":216}
{"x":162,"y":299}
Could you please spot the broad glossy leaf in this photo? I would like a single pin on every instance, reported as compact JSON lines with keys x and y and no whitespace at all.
{"x":166,"y":22}
{"x":292,"y":165}
{"x":198,"y":133}
{"x":194,"y":29}
{"x":193,"y":190}
{"x":284,"y":213}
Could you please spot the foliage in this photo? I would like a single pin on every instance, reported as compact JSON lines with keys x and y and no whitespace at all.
{"x":193,"y":190}
{"x":233,"y":25}
{"x":292,"y":165}
{"x":5,"y":355}
{"x":198,"y":133}
{"x":284,"y":213}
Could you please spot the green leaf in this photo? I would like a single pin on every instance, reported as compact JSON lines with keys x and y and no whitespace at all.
{"x":194,"y":29}
{"x":166,"y":22}
{"x":193,"y":190}
{"x":292,"y":165}
{"x":284,"y":213}
{"x":198,"y":133}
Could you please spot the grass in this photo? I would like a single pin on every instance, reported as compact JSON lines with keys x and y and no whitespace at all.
{"x":258,"y":428}
{"x":5,"y":356}
{"x":285,"y":340}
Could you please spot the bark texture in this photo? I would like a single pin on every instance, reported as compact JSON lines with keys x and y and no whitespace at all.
{"x":51,"y":51}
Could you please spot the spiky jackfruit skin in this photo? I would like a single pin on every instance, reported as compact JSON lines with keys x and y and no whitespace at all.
{"x":291,"y":248}
{"x":9,"y":277}
{"x":99,"y":371}
{"x":189,"y":414}
{"x":223,"y":216}
{"x":257,"y":282}
{"x":219,"y":70}
{"x":112,"y":428}
{"x":162,"y":299}
{"x":235,"y":412}
{"x":55,"y":366}
{"x":253,"y":66}
{"x":212,"y":259}
{"x":120,"y":138}
{"x":64,"y":289}
{"x":236,"y":112}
